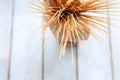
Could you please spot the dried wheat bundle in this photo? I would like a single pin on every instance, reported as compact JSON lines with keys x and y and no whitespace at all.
{"x":71,"y":20}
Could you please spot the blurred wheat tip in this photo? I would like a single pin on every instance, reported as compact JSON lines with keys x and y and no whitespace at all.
{"x":73,"y":21}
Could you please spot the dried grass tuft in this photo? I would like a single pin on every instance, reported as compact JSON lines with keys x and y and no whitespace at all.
{"x":71,"y":20}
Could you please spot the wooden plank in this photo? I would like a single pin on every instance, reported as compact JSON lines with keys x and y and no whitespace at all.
{"x":26,"y":51}
{"x":5,"y":22}
{"x":115,"y":30}
{"x":54,"y":68}
{"x":94,"y":58}
{"x":94,"y":61}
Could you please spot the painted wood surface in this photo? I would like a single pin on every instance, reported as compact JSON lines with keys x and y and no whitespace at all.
{"x":29,"y":62}
{"x":5,"y":22}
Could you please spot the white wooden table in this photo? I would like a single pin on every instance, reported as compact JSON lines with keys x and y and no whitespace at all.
{"x":94,"y":61}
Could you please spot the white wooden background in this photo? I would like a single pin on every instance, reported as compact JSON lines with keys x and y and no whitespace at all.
{"x":94,"y":62}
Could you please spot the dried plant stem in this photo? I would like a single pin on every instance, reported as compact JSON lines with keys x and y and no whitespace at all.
{"x":74,"y":19}
{"x":11,"y":41}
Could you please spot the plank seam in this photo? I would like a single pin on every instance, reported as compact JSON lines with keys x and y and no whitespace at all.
{"x":42,"y":71}
{"x":11,"y":40}
{"x":77,"y":66}
{"x":110,"y":43}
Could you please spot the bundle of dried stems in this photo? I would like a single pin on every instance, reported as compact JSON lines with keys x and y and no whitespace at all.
{"x":71,"y":20}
